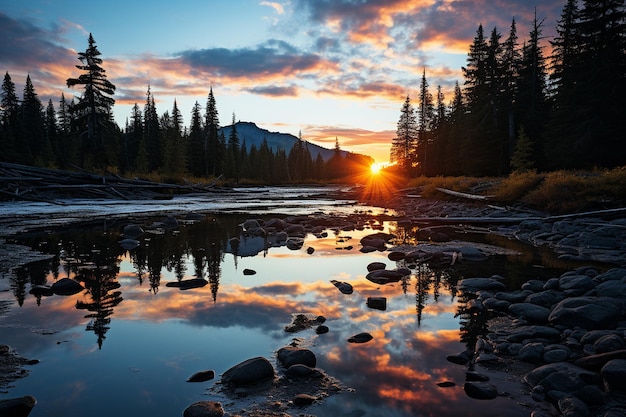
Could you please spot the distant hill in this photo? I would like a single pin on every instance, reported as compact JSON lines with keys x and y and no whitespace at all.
{"x":251,"y":134}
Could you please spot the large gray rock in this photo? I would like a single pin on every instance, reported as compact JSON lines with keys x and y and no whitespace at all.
{"x":533,"y":332}
{"x":586,"y":312}
{"x":546,"y":298}
{"x":575,"y":284}
{"x":249,"y":372}
{"x":531,"y":312}
{"x":573,"y":407}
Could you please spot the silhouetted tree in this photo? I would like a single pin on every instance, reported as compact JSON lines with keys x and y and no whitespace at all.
{"x":404,"y":143}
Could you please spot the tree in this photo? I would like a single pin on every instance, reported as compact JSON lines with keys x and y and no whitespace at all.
{"x":95,"y":105}
{"x":426,"y":121}
{"x":404,"y":143}
{"x":9,"y":119}
{"x":233,"y":152}
{"x":511,"y":58}
{"x":33,"y":144}
{"x":151,"y":133}
{"x":522,"y":159}
{"x":213,"y":151}
{"x":197,"y":144}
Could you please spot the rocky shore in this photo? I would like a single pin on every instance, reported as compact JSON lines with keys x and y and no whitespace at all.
{"x":565,"y":337}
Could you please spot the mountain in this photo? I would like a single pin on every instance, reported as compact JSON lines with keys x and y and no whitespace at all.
{"x":250,"y":134}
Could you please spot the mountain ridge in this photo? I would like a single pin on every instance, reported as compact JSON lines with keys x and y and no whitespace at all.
{"x":251,"y":134}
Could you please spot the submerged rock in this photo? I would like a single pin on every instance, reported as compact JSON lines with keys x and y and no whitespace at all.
{"x":361,"y":338}
{"x":67,"y":286}
{"x":17,"y":407}
{"x":202,"y":376}
{"x":480,"y":390}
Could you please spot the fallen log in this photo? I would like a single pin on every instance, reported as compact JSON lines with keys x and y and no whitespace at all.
{"x":464,"y":195}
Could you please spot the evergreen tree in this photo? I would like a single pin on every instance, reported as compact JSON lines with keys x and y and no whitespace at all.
{"x":213,"y":152}
{"x":152,"y":133}
{"x":233,"y":153}
{"x":522,"y":159}
{"x":9,"y":120}
{"x":33,"y":144}
{"x":197,"y":144}
{"x":532,"y":100}
{"x":426,"y":121}
{"x":404,"y":143}
{"x":265,"y":157}
{"x":95,"y":105}
{"x":511,"y":59}
{"x":52,"y":134}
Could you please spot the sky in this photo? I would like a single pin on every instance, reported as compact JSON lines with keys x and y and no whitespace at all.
{"x":322,"y":69}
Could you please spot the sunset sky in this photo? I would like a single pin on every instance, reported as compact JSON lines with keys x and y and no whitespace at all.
{"x":327,"y":68}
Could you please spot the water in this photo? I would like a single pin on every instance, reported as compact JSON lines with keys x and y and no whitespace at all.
{"x":127,"y":344}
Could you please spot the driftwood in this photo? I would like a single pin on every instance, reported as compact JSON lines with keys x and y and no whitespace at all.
{"x":464,"y":195}
{"x":22,"y":182}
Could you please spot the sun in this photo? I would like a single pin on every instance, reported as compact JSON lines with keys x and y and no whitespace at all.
{"x":376,"y":167}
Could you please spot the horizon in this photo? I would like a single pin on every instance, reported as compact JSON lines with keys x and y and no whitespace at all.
{"x":328,"y":70}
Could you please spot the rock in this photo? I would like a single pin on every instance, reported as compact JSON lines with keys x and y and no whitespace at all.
{"x":384,"y":276}
{"x":614,"y":373}
{"x":471,"y":254}
{"x":375,"y":266}
{"x":188,"y":284}
{"x":561,"y":377}
{"x":132,"y":231}
{"x":249,"y":372}
{"x":531,"y":312}
{"x":521,"y":333}
{"x":377,"y":303}
{"x":41,"y":290}
{"x":609,"y":343}
{"x":289,"y":356}
{"x":556,"y":353}
{"x":613,"y":274}
{"x":170,"y":222}
{"x":377,"y":240}
{"x":495,"y":304}
{"x":586,"y":312}
{"x":202,"y":376}
{"x":304,"y":399}
{"x":531,"y":352}
{"x":575,"y":285}
{"x":598,"y":361}
{"x":321,"y":329}
{"x":461,"y":358}
{"x":67,"y":286}
{"x":344,"y":287}
{"x":310,"y":250}
{"x":480,"y":390}
{"x":517,"y":296}
{"x":129,"y":244}
{"x":204,"y":409}
{"x":533,"y":285}
{"x":361,"y":338}
{"x":546,"y":298}
{"x":17,"y":407}
{"x":573,"y":407}
{"x":302,"y":371}
{"x":247,"y":271}
{"x":446,"y":384}
{"x":250,"y":224}
{"x":396,"y":256}
{"x":476,"y":284}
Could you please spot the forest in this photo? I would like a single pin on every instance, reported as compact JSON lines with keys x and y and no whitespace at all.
{"x":517,"y":109}
{"x":520,"y":110}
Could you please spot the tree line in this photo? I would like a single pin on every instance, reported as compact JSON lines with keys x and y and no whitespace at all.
{"x":521,"y":110}
{"x":81,"y":132}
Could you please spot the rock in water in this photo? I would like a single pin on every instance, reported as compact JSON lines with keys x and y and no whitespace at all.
{"x":344,"y":287}
{"x":361,"y":338}
{"x":378,"y":303}
{"x":480,"y":390}
{"x":249,"y":372}
{"x":289,"y":356}
{"x":201,"y":376}
{"x":17,"y":407}
{"x":66,"y":286}
{"x":204,"y":409}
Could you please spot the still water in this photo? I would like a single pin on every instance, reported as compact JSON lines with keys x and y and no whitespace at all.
{"x":128,"y":342}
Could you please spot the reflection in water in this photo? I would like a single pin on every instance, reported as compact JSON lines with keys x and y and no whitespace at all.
{"x":425,"y":318}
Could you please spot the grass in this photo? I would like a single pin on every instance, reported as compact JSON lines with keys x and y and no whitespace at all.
{"x":555,"y":192}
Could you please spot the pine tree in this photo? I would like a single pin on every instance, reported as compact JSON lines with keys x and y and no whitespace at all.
{"x":233,"y":152}
{"x":33,"y":144}
{"x":426,"y":120}
{"x":404,"y":143}
{"x":9,"y":120}
{"x":197,"y":157}
{"x":523,"y":155}
{"x":52,"y":133}
{"x":95,"y":105}
{"x":511,"y":59}
{"x":213,"y":152}
{"x":152,"y":133}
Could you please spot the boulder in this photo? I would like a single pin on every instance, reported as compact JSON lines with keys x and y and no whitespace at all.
{"x":204,"y":409}
{"x":586,"y":312}
{"x":384,"y":276}
{"x":614,"y":373}
{"x":396,"y":256}
{"x":17,"y":407}
{"x":290,"y":355}
{"x":247,"y":271}
{"x":573,"y":407}
{"x":249,"y":372}
{"x":304,"y":399}
{"x":480,"y":390}
{"x":574,"y":285}
{"x":377,"y":303}
{"x":188,"y":284}
{"x":546,"y":298}
{"x":302,"y":371}
{"x":609,"y":343}
{"x":521,"y":333}
{"x":375,"y":266}
{"x":132,"y":231}
{"x":561,"y":377}
{"x":67,"y":286}
{"x":531,"y":312}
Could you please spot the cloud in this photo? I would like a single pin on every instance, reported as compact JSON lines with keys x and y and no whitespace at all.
{"x":275,"y":90}
{"x":278,"y":7}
